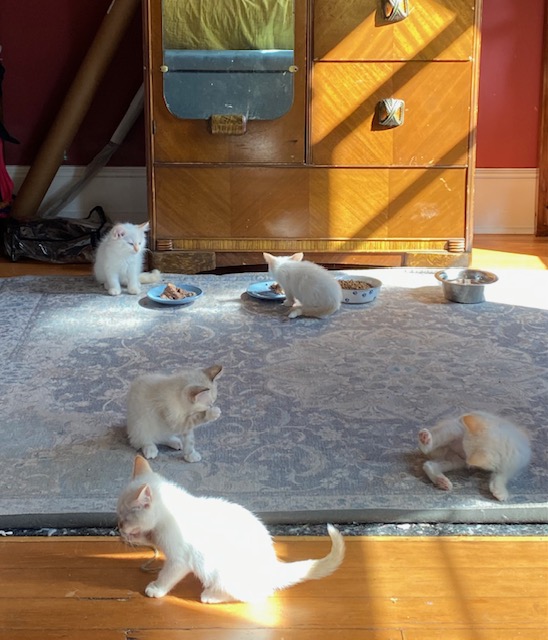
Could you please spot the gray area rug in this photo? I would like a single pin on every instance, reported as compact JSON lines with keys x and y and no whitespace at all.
{"x":319,"y":417}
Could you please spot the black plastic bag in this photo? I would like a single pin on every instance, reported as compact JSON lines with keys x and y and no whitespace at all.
{"x":59,"y":240}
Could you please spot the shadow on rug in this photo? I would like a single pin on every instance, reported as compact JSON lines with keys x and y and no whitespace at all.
{"x":319,"y":417}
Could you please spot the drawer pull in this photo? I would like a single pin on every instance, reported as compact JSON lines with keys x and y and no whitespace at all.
{"x":395,"y":10}
{"x":390,"y":112}
{"x":228,"y":125}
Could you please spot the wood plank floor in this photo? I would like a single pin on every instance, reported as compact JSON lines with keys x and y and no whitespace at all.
{"x":461,"y":588}
{"x":489,"y":252}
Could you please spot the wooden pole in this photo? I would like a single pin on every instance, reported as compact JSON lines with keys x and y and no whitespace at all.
{"x":74,"y":108}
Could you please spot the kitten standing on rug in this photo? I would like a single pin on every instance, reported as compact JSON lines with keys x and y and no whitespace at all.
{"x":165,"y":409}
{"x":223,"y":544}
{"x":477,"y":439}
{"x":119,"y":259}
{"x":309,"y":288}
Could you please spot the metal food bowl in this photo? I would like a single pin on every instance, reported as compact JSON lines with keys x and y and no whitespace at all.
{"x":465,"y":285}
{"x":370,"y":290}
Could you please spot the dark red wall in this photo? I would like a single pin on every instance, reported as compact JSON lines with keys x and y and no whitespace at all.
{"x":44,"y":42}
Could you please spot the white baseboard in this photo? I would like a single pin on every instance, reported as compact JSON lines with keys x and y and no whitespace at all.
{"x":505,"y":200}
{"x":121,"y":191}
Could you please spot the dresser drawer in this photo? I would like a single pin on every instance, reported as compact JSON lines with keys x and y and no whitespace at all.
{"x":357,"y":30}
{"x":345,"y":128}
{"x":227,"y":208}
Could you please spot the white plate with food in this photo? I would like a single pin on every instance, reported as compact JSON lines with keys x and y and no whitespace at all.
{"x":174,"y":294}
{"x":268,"y":290}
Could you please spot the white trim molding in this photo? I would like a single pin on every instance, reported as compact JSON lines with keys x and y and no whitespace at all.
{"x":121,"y":191}
{"x":505,"y":200}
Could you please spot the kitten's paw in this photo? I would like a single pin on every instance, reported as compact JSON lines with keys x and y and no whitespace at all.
{"x":425,"y":440}
{"x":114,"y":291}
{"x":154,"y":591}
{"x":135,"y":291}
{"x":193,"y":456}
{"x":295,"y":313}
{"x":443,"y":482}
{"x":210,"y":596}
{"x":500,"y":492}
{"x":175,"y":443}
{"x":150,"y":451}
{"x":436,"y":477}
{"x":213,"y":414}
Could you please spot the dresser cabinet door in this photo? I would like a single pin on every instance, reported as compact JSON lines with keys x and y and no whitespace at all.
{"x":179,"y":140}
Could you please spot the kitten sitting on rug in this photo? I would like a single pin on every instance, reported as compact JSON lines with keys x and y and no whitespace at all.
{"x":309,"y":288}
{"x":119,"y":259}
{"x":227,"y":547}
{"x":165,"y":409}
{"x":477,"y":439}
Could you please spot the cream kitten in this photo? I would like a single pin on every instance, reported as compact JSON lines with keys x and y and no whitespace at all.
{"x":309,"y":288}
{"x":119,"y":259}
{"x":164,"y":409}
{"x":226,"y":546}
{"x":477,"y":439}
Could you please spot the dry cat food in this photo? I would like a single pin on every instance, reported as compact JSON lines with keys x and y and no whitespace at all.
{"x":171,"y":292}
{"x":276,"y":288}
{"x":355,"y":284}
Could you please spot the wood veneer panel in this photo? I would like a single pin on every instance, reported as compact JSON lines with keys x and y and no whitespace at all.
{"x":354,"y":30}
{"x":345,"y":129}
{"x":314,"y":203}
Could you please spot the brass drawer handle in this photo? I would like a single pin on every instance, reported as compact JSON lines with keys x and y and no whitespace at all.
{"x":390,"y":112}
{"x":395,"y":10}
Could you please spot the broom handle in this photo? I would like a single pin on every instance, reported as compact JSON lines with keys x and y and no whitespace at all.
{"x":74,"y":108}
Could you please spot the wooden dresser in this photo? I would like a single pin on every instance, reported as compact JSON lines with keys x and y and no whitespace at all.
{"x":372,"y":164}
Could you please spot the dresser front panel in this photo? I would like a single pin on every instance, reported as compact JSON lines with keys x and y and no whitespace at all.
{"x":231,"y":208}
{"x":345,"y":129}
{"x":356,"y":30}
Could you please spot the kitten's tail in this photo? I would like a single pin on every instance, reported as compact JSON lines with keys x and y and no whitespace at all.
{"x":148,"y":277}
{"x":289,"y":573}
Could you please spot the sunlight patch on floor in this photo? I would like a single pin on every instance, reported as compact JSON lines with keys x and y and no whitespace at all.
{"x":488,"y":259}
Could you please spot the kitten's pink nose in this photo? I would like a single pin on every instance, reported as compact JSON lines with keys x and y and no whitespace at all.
{"x":136,"y":248}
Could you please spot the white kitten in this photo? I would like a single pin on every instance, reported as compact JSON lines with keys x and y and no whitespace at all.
{"x":164,"y":409}
{"x":477,"y":439}
{"x":119,"y":259}
{"x":309,"y":288}
{"x":226,"y":546}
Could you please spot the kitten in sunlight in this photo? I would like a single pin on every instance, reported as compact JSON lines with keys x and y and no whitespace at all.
{"x":226,"y":546}
{"x":119,"y":259}
{"x":310,"y":290}
{"x":165,"y":409}
{"x":477,"y":439}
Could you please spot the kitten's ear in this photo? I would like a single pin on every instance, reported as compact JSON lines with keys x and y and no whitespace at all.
{"x":213,"y":371}
{"x":269,"y":259}
{"x":142,"y":497}
{"x":145,"y":226}
{"x":297,"y":257}
{"x":141,"y":466}
{"x":118,"y":231}
{"x":479,"y":459}
{"x":473,"y":424}
{"x":199,"y":394}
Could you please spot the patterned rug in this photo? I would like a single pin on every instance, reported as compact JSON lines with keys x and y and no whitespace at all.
{"x":319,"y":417}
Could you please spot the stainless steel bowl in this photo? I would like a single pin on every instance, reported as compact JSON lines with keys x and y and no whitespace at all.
{"x":465,"y":285}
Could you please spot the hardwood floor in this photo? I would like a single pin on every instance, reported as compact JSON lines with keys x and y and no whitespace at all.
{"x":449,"y":588}
{"x":489,"y":252}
